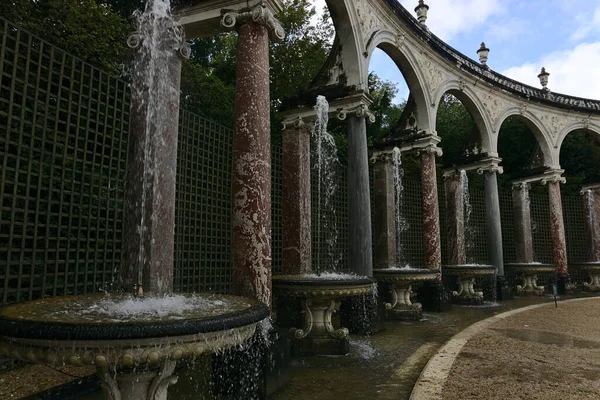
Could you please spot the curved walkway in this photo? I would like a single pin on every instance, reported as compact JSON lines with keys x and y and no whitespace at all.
{"x":536,"y":352}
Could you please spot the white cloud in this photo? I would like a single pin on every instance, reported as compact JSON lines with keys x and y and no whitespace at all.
{"x":588,"y":24}
{"x":448,"y":18}
{"x":573,"y":72}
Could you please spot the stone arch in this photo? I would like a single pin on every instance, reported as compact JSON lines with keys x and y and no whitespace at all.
{"x":386,"y":41}
{"x":347,"y":28}
{"x":576,"y":126}
{"x":474,"y":106}
{"x":537,"y":128}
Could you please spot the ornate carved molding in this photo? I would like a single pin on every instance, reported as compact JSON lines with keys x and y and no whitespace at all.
{"x":553,"y":179}
{"x":494,"y":105}
{"x":490,"y":168}
{"x":520,"y":186}
{"x":361,"y":111}
{"x":259,"y":14}
{"x":434,"y":75}
{"x":296,"y":122}
{"x":382,"y":156}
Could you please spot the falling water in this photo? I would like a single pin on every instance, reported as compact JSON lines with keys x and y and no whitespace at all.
{"x":325,"y":164}
{"x":156,"y":40}
{"x":589,"y":198}
{"x":401,"y":222}
{"x":468,"y":209}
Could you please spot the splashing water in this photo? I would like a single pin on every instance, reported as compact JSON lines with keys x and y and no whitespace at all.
{"x":401,"y":222}
{"x":468,"y":209}
{"x":156,"y":40}
{"x":325,"y":165}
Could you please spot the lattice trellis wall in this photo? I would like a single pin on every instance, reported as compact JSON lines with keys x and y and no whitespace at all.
{"x":63,"y":142}
{"x":574,"y":217}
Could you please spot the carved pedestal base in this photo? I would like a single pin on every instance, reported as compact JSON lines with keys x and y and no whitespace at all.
{"x":466,"y":293}
{"x":150,"y":384}
{"x":529,"y":286}
{"x":401,"y":308}
{"x":318,"y":336}
{"x":594,"y":284}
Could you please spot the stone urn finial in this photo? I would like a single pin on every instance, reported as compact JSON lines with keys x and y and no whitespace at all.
{"x":544,"y":78}
{"x":421,"y":11}
{"x":483,"y":53}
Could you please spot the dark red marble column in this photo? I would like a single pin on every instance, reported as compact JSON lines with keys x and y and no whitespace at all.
{"x":455,"y":220}
{"x":431,"y":212}
{"x":591,"y":207}
{"x":296,"y":212}
{"x":384,"y":212}
{"x":522,"y":211}
{"x":557,"y":229}
{"x":251,"y":177}
{"x":149,"y":218}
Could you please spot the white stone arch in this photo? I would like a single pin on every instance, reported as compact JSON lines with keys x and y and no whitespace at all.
{"x":469,"y":98}
{"x":347,"y":28}
{"x":388,"y":42}
{"x":539,"y":130}
{"x":583,"y":125}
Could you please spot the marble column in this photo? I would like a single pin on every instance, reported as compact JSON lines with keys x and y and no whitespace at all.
{"x":149,"y":218}
{"x":360,"y":256}
{"x":557,"y":230}
{"x":384,"y":211}
{"x":455,"y":219}
{"x":523,"y":233}
{"x":492,"y":219}
{"x":296,"y":211}
{"x":251,"y":175}
{"x":431,"y":213}
{"x":591,"y":207}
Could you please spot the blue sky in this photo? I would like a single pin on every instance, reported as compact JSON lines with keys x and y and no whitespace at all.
{"x":523,"y":36}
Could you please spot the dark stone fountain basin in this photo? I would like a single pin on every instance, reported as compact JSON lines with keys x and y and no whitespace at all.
{"x":400,"y":282}
{"x":134,"y":353}
{"x":321,"y":297}
{"x":528,"y":273}
{"x":465,"y":278}
{"x":593,"y":269}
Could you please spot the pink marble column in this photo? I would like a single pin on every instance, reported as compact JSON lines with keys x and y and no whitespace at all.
{"x":523,"y":234}
{"x":557,"y":229}
{"x":431,"y":213}
{"x":455,"y":219}
{"x":251,"y":178}
{"x":384,"y":212}
{"x":591,"y":207}
{"x":296,"y":212}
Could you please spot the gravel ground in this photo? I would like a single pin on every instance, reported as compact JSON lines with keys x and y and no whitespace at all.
{"x":546,"y":353}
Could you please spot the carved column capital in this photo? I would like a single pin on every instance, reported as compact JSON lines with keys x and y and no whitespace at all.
{"x":553,"y":179}
{"x":431,"y":149}
{"x":520,"y":186}
{"x":490,"y":168}
{"x":361,"y":111}
{"x":176,"y":39}
{"x":452,"y":174}
{"x":296,"y":122}
{"x":382,"y":156}
{"x":259,"y":14}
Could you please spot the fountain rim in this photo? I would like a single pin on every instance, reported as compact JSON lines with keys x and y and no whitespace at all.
{"x":468,"y":269}
{"x":530,"y":267}
{"x":294,"y":280}
{"x":81,"y":331}
{"x":414,"y":274}
{"x":586,"y":266}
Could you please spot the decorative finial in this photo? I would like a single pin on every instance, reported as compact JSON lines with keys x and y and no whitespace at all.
{"x":483,"y":53}
{"x":421,"y":11}
{"x":544,"y":78}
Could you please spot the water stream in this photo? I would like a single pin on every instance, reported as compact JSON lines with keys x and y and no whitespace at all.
{"x":401,"y":222}
{"x":468,"y":209}
{"x":325,"y":165}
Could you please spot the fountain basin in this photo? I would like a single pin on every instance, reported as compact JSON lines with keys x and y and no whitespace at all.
{"x":528,"y":273}
{"x":465,"y":278}
{"x":593,"y":269}
{"x":141,"y":350}
{"x":400,"y":282}
{"x":320,"y":298}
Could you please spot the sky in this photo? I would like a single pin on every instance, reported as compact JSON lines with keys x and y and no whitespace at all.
{"x":523,"y":36}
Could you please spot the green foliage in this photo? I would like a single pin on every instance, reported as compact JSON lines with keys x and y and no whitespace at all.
{"x":580,"y":158}
{"x":84,"y":28}
{"x":516,"y":145}
{"x":454,"y":123}
{"x":386,"y":112}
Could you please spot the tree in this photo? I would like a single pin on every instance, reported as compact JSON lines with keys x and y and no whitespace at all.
{"x":84,"y":28}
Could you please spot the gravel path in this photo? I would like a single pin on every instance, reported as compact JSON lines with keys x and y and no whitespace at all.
{"x":545,"y":353}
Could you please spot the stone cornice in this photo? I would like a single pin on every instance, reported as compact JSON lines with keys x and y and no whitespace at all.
{"x":259,"y":14}
{"x":594,"y":187}
{"x":551,"y":175}
{"x":488,"y":164}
